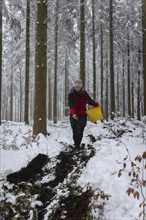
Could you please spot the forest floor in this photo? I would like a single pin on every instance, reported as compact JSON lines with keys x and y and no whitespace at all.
{"x":56,"y":183}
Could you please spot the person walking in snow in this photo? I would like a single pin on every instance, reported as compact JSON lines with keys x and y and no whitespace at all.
{"x":77,"y":100}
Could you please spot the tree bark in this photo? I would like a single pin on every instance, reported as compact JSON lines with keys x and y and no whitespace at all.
{"x":1,"y":10}
{"x":123,"y":85}
{"x":66,"y":89}
{"x":112,"y":83}
{"x":56,"y":64}
{"x":50,"y":98}
{"x":82,"y":42}
{"x":94,"y":51}
{"x":129,"y":77}
{"x":21,"y":95}
{"x":144,"y":49}
{"x":11,"y":98}
{"x":39,"y":125}
{"x":106,"y":112}
{"x":138,"y":89}
{"x":27,"y":65}
{"x":101,"y":63}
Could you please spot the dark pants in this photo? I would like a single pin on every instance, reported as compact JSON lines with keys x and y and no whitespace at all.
{"x":78,"y":128}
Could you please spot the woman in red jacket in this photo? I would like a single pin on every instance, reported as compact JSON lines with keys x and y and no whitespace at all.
{"x":78,"y":98}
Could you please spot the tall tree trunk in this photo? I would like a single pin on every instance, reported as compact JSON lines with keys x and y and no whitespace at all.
{"x":144,"y":49}
{"x":1,"y":9}
{"x":138,"y":89}
{"x":123,"y":83}
{"x":105,"y":111}
{"x":55,"y":67}
{"x":7,"y":115}
{"x":66,"y":89}
{"x":26,"y":105}
{"x":132,"y":99}
{"x":11,"y":98}
{"x":82,"y":42}
{"x":16,"y":112}
{"x":118,"y":92}
{"x":101,"y":62}
{"x":94,"y":51}
{"x":21,"y":95}
{"x":112,"y":83}
{"x":50,"y":98}
{"x":101,"y":54}
{"x":31,"y":107}
{"x":40,"y":125}
{"x":138,"y":97}
{"x":129,"y":77}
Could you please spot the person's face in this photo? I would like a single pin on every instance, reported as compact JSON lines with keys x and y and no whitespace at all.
{"x":78,"y":87}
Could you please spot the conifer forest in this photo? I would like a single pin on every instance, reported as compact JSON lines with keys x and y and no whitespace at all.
{"x":59,"y":58}
{"x":46,"y":45}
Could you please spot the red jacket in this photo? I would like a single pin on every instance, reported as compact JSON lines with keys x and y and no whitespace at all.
{"x":77,"y":102}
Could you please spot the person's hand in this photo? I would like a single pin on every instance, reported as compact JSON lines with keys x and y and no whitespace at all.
{"x":98,"y":105}
{"x":75,"y":117}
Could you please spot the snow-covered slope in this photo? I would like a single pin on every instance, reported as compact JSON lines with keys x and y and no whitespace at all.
{"x":116,"y":144}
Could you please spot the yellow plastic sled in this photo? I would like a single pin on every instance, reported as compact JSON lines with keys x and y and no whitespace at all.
{"x":94,"y":114}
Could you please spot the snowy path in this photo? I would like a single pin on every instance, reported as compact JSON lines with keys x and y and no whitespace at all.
{"x":101,"y":171}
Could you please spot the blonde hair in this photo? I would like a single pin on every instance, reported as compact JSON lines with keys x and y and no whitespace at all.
{"x":77,"y":82}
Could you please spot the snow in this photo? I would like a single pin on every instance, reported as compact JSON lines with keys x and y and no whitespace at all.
{"x":101,"y":171}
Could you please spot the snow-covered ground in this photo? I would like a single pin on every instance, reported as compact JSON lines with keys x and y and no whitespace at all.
{"x":113,"y":142}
